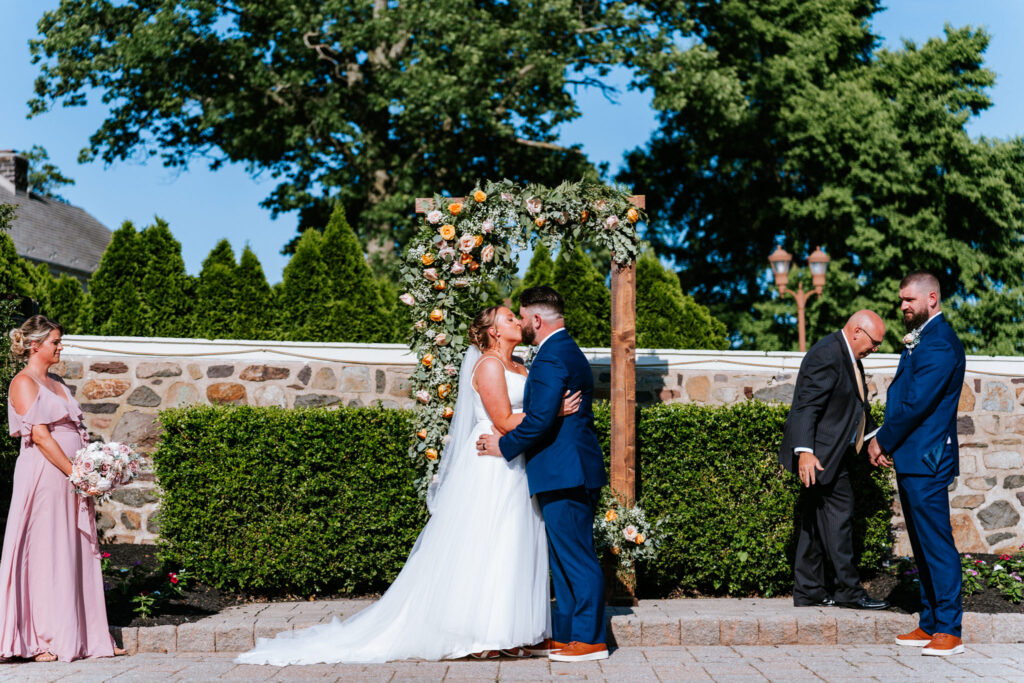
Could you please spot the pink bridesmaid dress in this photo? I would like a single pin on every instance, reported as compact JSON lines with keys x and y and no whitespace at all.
{"x":51,"y":585}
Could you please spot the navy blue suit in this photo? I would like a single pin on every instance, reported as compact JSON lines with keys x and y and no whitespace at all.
{"x":919,"y":433}
{"x":565,"y":471}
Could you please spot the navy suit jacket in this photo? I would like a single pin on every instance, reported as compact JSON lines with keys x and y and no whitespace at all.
{"x":920,"y":407}
{"x":561,"y":452}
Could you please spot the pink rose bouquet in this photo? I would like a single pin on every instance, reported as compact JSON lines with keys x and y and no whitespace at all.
{"x":103,"y":468}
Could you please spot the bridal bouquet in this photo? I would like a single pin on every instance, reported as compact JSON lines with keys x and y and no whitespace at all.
{"x":103,"y":467}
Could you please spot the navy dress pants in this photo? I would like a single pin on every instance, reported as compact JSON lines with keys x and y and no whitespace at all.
{"x":925,"y":502}
{"x":575,"y":571}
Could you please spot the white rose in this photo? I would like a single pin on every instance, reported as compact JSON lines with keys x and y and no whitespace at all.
{"x":446,"y":253}
{"x":466,"y":243}
{"x":487,"y":226}
{"x":430,"y":274}
{"x":408,"y":299}
{"x":534,"y":205}
{"x":487,"y":254}
{"x":611,"y":222}
{"x":629,"y":532}
{"x":435,"y":217}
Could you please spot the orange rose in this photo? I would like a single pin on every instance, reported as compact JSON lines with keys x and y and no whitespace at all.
{"x":427,"y":258}
{"x":632,"y":215}
{"x":474,"y":266}
{"x":614,"y":550}
{"x":639,"y":539}
{"x":454,"y":208}
{"x":422,"y":434}
{"x":539,"y":221}
{"x":447,"y":414}
{"x":439,"y":285}
{"x":428,"y":360}
{"x":610,"y":516}
{"x":584,"y":216}
{"x":437,"y":315}
{"x":448,"y":231}
{"x":466,"y":258}
{"x":478,"y":240}
{"x":442,"y":391}
{"x":479,"y":196}
{"x":431,"y":453}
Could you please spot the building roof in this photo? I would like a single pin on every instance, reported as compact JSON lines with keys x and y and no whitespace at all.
{"x":63,"y":236}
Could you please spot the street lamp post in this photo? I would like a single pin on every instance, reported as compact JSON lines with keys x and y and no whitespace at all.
{"x":781,"y":261}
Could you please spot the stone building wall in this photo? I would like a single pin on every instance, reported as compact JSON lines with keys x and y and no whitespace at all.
{"x":123,"y":383}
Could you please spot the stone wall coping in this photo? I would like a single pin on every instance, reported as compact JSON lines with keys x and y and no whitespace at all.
{"x":83,"y":346}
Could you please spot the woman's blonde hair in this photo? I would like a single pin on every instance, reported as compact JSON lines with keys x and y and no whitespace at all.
{"x":34,"y":330}
{"x":478,"y":328}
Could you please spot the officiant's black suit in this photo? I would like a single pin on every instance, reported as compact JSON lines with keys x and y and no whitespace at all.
{"x":826,"y":417}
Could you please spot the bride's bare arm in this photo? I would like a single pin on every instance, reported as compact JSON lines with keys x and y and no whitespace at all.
{"x":489,"y":382}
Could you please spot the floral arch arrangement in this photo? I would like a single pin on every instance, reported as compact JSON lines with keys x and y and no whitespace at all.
{"x":461,"y":244}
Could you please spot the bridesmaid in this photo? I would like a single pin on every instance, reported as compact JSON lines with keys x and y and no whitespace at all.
{"x":51,"y":585}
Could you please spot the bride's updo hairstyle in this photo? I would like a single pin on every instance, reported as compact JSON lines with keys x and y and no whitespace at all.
{"x":34,"y":330}
{"x":478,"y":329}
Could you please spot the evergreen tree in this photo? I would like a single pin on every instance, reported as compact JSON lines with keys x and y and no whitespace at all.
{"x":541,"y":271}
{"x":355,"y":308}
{"x":304,"y":289}
{"x":111,"y":306}
{"x":254,"y":301}
{"x":216,"y":293}
{"x":11,"y":281}
{"x":166,"y":290}
{"x":399,"y":316}
{"x":665,"y":317}
{"x":64,"y":302}
{"x":588,"y":307}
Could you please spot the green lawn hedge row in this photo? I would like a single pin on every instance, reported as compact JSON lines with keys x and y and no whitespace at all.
{"x":273,"y":500}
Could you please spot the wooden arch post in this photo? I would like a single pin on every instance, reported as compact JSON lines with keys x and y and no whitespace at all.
{"x":623,"y":370}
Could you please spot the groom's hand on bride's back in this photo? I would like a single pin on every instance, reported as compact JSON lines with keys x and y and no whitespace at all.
{"x":487,"y":444}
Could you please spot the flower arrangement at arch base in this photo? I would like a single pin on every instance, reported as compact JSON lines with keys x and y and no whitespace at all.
{"x":461,"y":245}
{"x":624,"y":536}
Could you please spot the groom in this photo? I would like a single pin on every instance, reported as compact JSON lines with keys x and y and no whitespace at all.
{"x":565,"y":470}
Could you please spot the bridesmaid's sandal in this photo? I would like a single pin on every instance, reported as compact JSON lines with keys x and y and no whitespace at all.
{"x":120,"y":652}
{"x":45,"y":657}
{"x":517,"y":652}
{"x":486,"y":654}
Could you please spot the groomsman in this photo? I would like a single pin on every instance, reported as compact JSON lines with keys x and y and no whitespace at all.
{"x":919,"y":435}
{"x":828,"y":423}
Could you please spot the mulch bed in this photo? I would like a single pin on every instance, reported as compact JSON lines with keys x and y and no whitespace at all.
{"x":201,"y":601}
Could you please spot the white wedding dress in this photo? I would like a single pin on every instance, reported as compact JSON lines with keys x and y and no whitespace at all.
{"x":476,"y":579}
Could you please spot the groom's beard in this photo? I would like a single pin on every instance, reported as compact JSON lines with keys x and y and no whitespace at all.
{"x":529,"y":334}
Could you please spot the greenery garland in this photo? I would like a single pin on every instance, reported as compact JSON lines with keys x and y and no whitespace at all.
{"x":463,"y":244}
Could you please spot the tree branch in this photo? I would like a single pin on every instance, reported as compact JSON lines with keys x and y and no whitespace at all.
{"x":547,"y":145}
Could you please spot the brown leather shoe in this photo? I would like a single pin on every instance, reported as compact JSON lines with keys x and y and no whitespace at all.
{"x":943,"y":645}
{"x":544,"y":647}
{"x":580,"y":652}
{"x":916,"y":638}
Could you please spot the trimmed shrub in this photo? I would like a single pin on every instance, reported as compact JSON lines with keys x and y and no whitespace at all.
{"x":265,"y":499}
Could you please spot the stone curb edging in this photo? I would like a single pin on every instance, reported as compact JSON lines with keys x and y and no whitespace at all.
{"x":651,"y":624}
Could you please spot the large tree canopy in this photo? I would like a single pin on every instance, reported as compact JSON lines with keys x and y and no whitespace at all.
{"x":373,"y":103}
{"x":781,"y":122}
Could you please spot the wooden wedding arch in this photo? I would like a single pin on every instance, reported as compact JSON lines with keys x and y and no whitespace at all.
{"x":565,"y":214}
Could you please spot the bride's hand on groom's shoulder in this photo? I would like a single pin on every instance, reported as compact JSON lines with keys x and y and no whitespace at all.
{"x":487,"y":444}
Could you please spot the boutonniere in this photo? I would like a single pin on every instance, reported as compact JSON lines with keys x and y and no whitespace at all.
{"x":912,"y":339}
{"x":527,"y":357}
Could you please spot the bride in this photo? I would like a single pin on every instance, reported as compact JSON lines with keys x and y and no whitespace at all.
{"x":476,"y":581}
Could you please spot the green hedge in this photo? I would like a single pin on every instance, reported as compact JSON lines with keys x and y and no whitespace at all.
{"x":310,"y":500}
{"x":267,"y":499}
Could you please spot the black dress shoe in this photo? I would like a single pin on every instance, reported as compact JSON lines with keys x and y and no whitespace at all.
{"x":864,"y":602}
{"x":824,"y":602}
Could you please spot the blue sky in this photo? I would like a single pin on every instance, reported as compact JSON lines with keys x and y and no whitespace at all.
{"x":203,"y":206}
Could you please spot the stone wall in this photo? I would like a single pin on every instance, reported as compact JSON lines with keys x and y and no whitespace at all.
{"x":123,"y":383}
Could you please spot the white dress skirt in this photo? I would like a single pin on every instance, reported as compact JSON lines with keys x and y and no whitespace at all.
{"x":476,"y":579}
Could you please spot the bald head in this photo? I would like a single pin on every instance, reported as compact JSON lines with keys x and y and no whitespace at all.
{"x":864,"y":331}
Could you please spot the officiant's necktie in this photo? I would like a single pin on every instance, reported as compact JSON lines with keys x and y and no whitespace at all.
{"x":863,"y":420}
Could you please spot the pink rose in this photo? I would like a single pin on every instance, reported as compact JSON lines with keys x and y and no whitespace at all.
{"x":600,"y":205}
{"x":451,"y":370}
{"x":611,"y":222}
{"x":534,"y":205}
{"x":629,"y":532}
{"x":446,"y":253}
{"x":441,"y":339}
{"x":419,"y":325}
{"x":434,"y":217}
{"x":487,"y":226}
{"x":461,"y":283}
{"x":487,"y":254}
{"x":466,"y":243}
{"x":458,"y":268}
{"x":87,"y":466}
{"x":422,"y":396}
{"x":407,"y":299}
{"x":430,"y":274}
{"x":507,"y":196}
